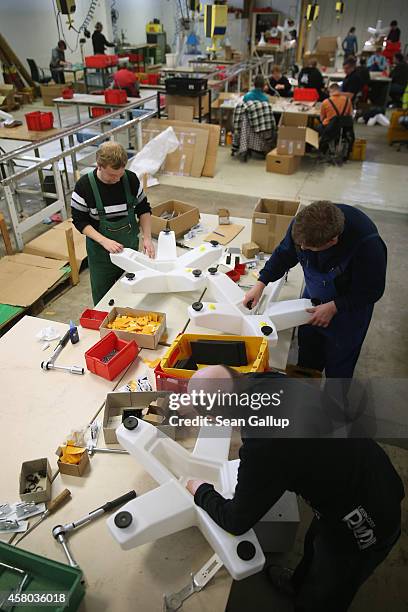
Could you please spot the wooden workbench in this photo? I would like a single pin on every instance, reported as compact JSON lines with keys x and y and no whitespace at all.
{"x":22,"y":133}
{"x":40,"y":408}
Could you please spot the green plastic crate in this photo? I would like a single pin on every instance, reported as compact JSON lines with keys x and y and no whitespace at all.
{"x":45,"y":576}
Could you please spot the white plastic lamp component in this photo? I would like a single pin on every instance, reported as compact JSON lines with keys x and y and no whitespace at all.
{"x":290,"y":313}
{"x":229,"y":319}
{"x":170,"y":507}
{"x":166,"y":246}
{"x":149,"y":281}
{"x":223,"y":289}
{"x":167,"y":273}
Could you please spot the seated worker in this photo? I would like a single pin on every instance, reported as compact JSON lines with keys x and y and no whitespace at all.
{"x":363,"y":71}
{"x":257,"y":94}
{"x":399,"y":79}
{"x":58,"y":62}
{"x":127,"y":80}
{"x":280,"y":83}
{"x":337,"y":104}
{"x":350,"y":484}
{"x":377,"y":62}
{"x":352,"y":84}
{"x":311,"y":77}
{"x":104,"y":206}
{"x":338,"y":247}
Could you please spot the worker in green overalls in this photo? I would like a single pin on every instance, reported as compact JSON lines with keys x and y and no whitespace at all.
{"x":105,"y":204}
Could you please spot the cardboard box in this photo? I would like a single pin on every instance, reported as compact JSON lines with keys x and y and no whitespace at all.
{"x":324,"y":52}
{"x":116,"y":403}
{"x":223,"y":216}
{"x":187,"y":217}
{"x":51,"y":91}
{"x":7,"y":102}
{"x":25,"y":278}
{"x":34,"y":466}
{"x":213,"y":132}
{"x":53,"y":243}
{"x":293,"y":134}
{"x":189,"y":158}
{"x":270,"y":222}
{"x":181,"y":113}
{"x":193,"y":101}
{"x":250,"y":249}
{"x":73,"y":469}
{"x":149,"y":341}
{"x":281,"y":164}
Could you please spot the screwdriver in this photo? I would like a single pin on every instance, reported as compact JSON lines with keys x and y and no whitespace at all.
{"x":52,"y":506}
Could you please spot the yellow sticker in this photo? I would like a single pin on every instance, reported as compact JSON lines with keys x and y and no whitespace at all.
{"x":203,"y":248}
{"x":189,"y":269}
{"x":263,"y":323}
{"x":211,"y":306}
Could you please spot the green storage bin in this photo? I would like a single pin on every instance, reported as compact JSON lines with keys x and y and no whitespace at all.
{"x":45,"y":576}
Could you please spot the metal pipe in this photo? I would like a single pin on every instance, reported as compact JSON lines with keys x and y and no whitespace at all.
{"x":68,"y":152}
{"x":72,"y":130}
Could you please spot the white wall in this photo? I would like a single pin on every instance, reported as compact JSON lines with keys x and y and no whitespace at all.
{"x":361,"y":14}
{"x":135,"y":14}
{"x":30,"y":29}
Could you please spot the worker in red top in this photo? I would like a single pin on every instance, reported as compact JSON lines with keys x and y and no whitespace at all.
{"x":127,"y":80}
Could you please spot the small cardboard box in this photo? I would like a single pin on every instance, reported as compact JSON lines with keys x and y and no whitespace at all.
{"x":270,"y":222}
{"x":185,"y":217}
{"x":193,"y":101}
{"x":149,"y":341}
{"x":116,"y":403}
{"x":180,"y":113}
{"x":281,"y":164}
{"x":7,"y":97}
{"x":250,"y":249}
{"x":49,"y":92}
{"x":293,"y":134}
{"x":324,"y":52}
{"x":223,"y":216}
{"x":31,"y":467}
{"x":73,"y":469}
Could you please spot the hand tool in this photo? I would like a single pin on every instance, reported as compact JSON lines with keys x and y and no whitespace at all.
{"x":73,"y":333}
{"x":52,"y":506}
{"x":92,"y":449}
{"x":197,"y":582}
{"x":50,"y":363}
{"x":61,"y":531}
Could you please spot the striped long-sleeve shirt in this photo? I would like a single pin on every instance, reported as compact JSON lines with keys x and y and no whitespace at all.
{"x":83,"y":205}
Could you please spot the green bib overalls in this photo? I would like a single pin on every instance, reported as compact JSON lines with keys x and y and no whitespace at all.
{"x":103,"y":272}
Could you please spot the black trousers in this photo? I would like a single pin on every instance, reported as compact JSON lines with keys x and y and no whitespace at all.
{"x":329,"y":575}
{"x":58,"y":76}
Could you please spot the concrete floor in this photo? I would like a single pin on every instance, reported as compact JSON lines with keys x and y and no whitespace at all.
{"x":379,"y":185}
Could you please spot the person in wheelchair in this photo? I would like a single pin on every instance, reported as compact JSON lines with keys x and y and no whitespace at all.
{"x":336,"y":116}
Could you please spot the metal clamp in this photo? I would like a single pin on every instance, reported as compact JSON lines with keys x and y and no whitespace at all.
{"x":25,"y":508}
{"x":8,"y":524}
{"x":175,"y":601}
{"x":5,"y":509}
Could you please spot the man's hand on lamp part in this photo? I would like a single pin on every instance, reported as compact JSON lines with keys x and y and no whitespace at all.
{"x":322,"y":314}
{"x":148,"y":247}
{"x":192,"y":485}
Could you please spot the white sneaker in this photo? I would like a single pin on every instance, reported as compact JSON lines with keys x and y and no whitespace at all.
{"x":383,"y":120}
{"x":372,"y":121}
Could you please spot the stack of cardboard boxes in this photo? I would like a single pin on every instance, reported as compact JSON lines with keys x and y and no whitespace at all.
{"x":293,"y":136}
{"x":324,"y":52}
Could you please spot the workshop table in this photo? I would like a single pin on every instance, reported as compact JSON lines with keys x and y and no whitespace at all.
{"x":89,"y":100}
{"x":20,"y":132}
{"x":44,"y":407}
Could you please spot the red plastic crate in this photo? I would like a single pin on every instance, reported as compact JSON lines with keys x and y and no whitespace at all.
{"x":240,"y":268}
{"x":165,"y":382}
{"x":98,"y":111}
{"x":153,"y":78}
{"x":234,"y":275}
{"x":39,"y":121}
{"x":303,"y":94}
{"x":92,"y":319}
{"x":67,"y":93}
{"x":115,"y":96}
{"x":127,"y":351}
{"x":100,"y":61}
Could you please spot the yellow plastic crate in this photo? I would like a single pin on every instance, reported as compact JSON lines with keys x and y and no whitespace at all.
{"x":256,"y":350}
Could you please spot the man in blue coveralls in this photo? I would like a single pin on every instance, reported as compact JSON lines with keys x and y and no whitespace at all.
{"x":344,"y":262}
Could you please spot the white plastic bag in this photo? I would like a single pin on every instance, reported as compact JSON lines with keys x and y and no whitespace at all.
{"x":153,"y":154}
